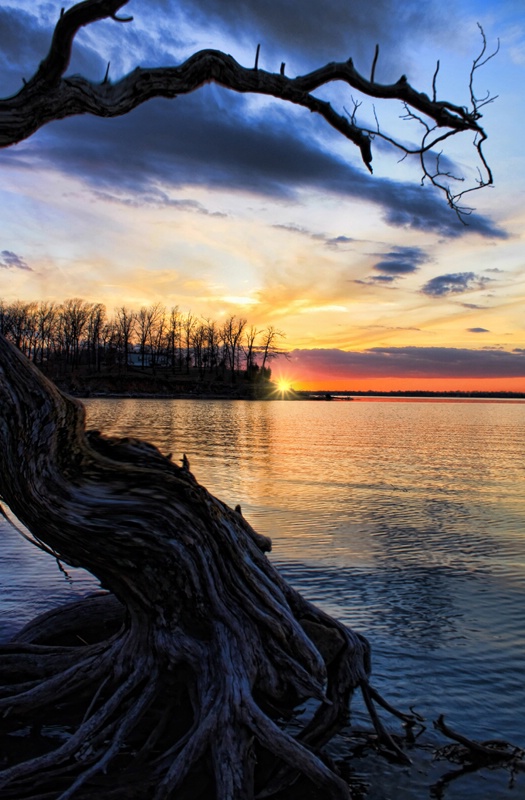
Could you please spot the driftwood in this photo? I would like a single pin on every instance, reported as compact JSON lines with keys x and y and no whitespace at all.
{"x":207,"y":649}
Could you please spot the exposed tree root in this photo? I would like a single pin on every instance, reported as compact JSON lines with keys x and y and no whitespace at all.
{"x":193,"y":664}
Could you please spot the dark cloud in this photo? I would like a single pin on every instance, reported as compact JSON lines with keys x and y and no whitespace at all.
{"x":213,"y":138}
{"x":402,"y":261}
{"x":25,"y":39}
{"x":410,"y":362}
{"x":10,"y":260}
{"x":310,"y":32}
{"x":336,"y":241}
{"x":23,"y":44}
{"x":453,"y":283}
{"x":478,"y":330}
{"x":395,"y":267}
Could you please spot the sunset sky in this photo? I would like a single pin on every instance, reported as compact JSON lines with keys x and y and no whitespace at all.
{"x":234,"y":204}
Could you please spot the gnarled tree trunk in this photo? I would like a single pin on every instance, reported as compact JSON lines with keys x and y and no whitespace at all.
{"x":207,"y":648}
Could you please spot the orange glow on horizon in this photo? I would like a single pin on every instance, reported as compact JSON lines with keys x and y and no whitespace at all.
{"x":323,"y":383}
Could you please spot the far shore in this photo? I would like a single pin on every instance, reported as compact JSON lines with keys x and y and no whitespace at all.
{"x":293,"y":395}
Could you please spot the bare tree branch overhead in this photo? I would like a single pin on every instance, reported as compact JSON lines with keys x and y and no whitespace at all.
{"x":50,"y":95}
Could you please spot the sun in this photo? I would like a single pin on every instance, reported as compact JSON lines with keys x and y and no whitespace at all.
{"x":283,"y":386}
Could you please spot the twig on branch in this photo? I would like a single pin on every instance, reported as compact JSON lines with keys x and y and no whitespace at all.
{"x":434,"y":82}
{"x":374,"y":64}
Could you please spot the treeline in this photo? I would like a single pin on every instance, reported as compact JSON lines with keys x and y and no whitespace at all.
{"x":64,"y":337}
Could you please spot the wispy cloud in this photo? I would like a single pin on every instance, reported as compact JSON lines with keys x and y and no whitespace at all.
{"x":10,"y":260}
{"x":155,"y":198}
{"x":377,"y":280}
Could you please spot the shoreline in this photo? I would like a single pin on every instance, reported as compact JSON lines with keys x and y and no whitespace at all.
{"x":305,"y":396}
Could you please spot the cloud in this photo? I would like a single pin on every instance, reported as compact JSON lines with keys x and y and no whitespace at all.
{"x":453,"y":283}
{"x":10,"y":260}
{"x":309,"y":33}
{"x":335,"y":241}
{"x":376,"y":279}
{"x":157,"y":199}
{"x":215,"y":139}
{"x":402,"y":261}
{"x":478,"y":330}
{"x":25,"y":39}
{"x":395,"y":267}
{"x":409,"y":362}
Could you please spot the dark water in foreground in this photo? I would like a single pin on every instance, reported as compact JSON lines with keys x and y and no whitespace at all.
{"x":405,"y":520}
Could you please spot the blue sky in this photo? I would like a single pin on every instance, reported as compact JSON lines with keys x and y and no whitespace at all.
{"x":223,"y":203}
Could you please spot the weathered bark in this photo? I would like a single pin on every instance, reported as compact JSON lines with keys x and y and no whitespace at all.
{"x":214,"y":649}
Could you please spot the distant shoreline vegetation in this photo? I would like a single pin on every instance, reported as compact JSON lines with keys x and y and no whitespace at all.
{"x":151,"y":351}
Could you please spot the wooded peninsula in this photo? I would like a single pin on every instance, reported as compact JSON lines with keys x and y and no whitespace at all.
{"x":151,"y":351}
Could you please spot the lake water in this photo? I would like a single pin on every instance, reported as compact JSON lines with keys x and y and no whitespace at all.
{"x":406,"y":520}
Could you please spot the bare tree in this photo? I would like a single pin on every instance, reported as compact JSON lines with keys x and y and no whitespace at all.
{"x":188,"y":324}
{"x":210,"y":651}
{"x":269,"y":348}
{"x":148,"y":319}
{"x":95,"y":324}
{"x":157,"y":333}
{"x":212,"y":345}
{"x":232,"y":331}
{"x":173,"y":337}
{"x":73,"y":318}
{"x":198,"y":347}
{"x":250,"y":337}
{"x":47,"y":317}
{"x":125,"y":322}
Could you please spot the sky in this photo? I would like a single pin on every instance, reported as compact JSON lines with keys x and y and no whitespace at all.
{"x":221,"y":203}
